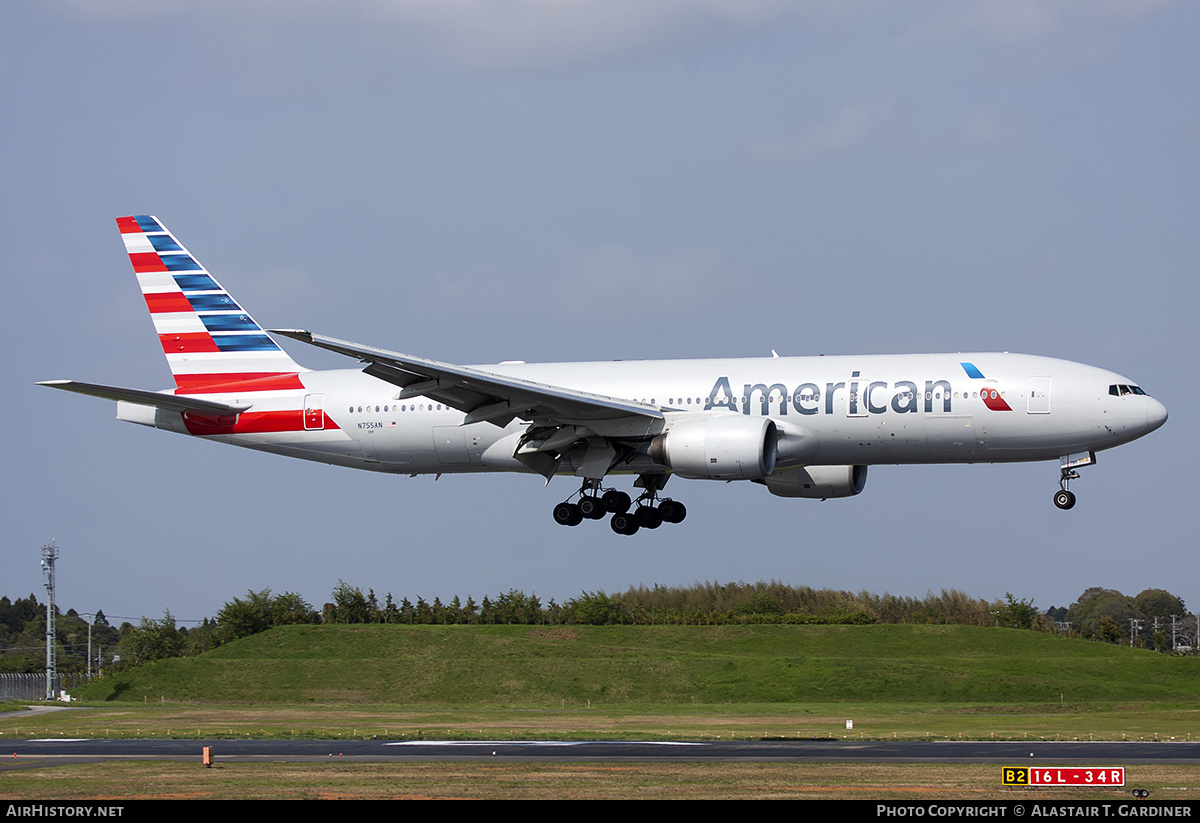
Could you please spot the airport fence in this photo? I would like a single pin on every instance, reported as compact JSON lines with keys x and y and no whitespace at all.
{"x":33,"y":686}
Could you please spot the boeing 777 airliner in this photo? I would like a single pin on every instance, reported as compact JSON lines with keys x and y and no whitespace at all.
{"x":801,"y":426}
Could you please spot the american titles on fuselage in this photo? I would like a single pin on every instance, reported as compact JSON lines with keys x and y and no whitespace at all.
{"x":856,"y":396}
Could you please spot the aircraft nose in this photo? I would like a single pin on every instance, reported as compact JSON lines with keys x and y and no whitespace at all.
{"x":1156,"y":414}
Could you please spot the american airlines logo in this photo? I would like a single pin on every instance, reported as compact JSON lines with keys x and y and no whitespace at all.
{"x":856,"y":397}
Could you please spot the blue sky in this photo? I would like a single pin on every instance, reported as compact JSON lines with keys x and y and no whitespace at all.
{"x":477,"y":181}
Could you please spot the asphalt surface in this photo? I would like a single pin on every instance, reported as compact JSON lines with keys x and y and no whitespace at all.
{"x":24,"y":753}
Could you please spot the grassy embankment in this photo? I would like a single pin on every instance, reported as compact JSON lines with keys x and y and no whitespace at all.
{"x":648,"y":681}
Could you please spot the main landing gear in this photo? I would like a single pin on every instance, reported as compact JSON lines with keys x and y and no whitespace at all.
{"x":650,"y":512}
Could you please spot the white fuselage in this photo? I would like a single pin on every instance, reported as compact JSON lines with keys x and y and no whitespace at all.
{"x":862,"y":410}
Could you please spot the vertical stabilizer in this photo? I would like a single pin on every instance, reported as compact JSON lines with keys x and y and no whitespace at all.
{"x":209,"y":339}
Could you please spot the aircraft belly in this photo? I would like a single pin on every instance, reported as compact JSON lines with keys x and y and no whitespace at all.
{"x":890,"y":438}
{"x":952,"y":436}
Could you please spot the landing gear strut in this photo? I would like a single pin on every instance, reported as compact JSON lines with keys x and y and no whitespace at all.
{"x":594,"y":503}
{"x":1064,"y":498}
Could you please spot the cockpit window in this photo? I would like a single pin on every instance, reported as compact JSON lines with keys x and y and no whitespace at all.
{"x":1118,"y":390}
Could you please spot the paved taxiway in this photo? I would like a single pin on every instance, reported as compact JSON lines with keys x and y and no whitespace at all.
{"x":24,"y":753}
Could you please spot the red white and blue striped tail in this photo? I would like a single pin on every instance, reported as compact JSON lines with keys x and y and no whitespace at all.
{"x":210,"y":341}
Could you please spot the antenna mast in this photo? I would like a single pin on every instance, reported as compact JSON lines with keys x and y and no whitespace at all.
{"x":49,"y":555}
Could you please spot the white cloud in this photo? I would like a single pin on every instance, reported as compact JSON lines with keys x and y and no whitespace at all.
{"x":1017,"y":20}
{"x":852,"y":126}
{"x":539,"y":34}
{"x":532,"y":33}
{"x":484,"y":33}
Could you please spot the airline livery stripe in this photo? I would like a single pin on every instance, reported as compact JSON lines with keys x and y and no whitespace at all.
{"x":148,"y":223}
{"x":168,"y":301}
{"x":139,"y":223}
{"x":244,"y":342}
{"x":146,"y":261}
{"x":164,"y":242}
{"x":236,"y":382}
{"x":180,"y":262}
{"x":196,"y":342}
{"x":177,"y":302}
{"x":992,"y":399}
{"x":213,"y":302}
{"x":251,"y":423}
{"x":972,"y":371}
{"x":178,"y":322}
{"x":196,"y":282}
{"x":228,"y":322}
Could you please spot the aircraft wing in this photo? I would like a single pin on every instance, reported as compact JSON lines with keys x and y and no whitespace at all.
{"x":495,"y":398}
{"x":179,"y":403}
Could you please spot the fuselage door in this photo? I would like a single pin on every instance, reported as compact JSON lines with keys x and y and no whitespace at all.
{"x":450,"y":444}
{"x":1039,"y":395}
{"x":314,"y":412}
{"x":858,"y":399}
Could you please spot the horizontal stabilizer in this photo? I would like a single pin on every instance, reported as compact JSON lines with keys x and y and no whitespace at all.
{"x":179,"y":403}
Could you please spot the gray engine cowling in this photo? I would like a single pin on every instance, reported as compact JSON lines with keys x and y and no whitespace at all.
{"x":818,"y":482}
{"x":718,"y":447}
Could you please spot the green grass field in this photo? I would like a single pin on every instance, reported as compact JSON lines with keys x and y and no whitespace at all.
{"x":583,"y":666}
{"x":624,"y":682}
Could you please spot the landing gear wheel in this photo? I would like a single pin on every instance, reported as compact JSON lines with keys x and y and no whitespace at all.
{"x":1064,"y":499}
{"x":567,"y":514}
{"x":592,"y":508}
{"x":623,"y":523}
{"x":617,"y":502}
{"x":647,"y":517}
{"x":672,"y":511}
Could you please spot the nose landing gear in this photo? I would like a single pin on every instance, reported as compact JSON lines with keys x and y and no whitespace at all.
{"x":1064,"y":498}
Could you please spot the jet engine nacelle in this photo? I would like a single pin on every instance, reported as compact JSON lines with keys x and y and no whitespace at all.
{"x":818,"y":482}
{"x":718,"y":447}
{"x":794,"y":445}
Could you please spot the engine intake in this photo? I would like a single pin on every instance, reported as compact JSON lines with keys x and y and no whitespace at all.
{"x":718,"y":447}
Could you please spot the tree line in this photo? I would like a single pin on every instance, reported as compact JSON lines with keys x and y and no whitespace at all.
{"x":1099,"y":614}
{"x":23,"y":636}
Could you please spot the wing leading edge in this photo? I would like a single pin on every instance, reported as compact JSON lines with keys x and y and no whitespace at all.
{"x":601,"y":430}
{"x":494,"y":398}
